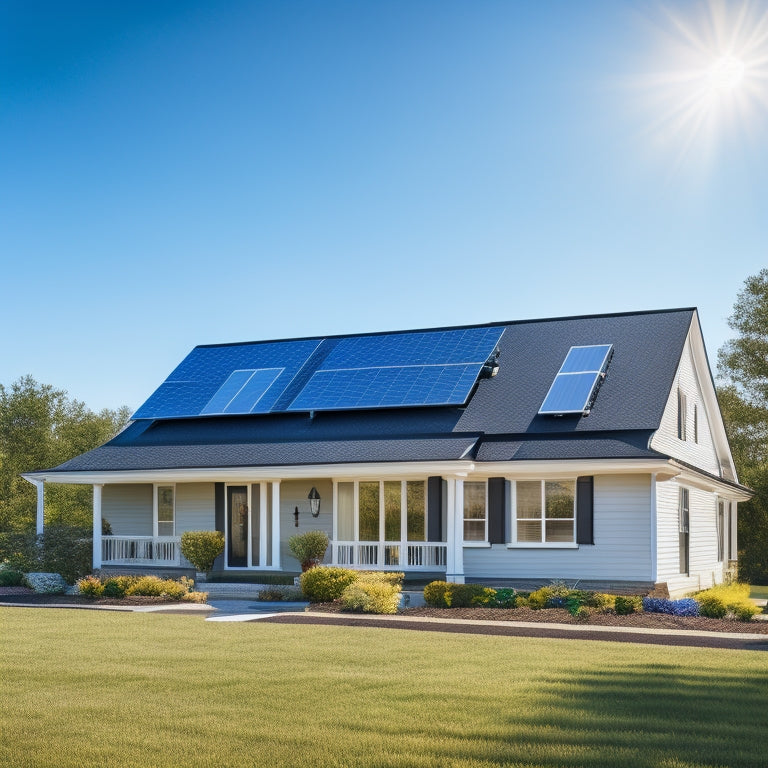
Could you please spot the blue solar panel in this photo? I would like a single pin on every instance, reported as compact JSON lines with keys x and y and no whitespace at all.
{"x":242,"y":391}
{"x":575,"y":386}
{"x":200,"y":384}
{"x":394,"y":386}
{"x":399,"y":370}
{"x":375,"y":371}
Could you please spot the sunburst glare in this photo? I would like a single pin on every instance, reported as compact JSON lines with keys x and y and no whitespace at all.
{"x":710,"y":80}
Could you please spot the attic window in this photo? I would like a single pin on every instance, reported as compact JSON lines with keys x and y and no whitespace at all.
{"x":575,"y":386}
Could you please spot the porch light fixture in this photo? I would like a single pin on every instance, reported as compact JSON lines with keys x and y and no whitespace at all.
{"x":314,"y":502}
{"x":296,"y":516}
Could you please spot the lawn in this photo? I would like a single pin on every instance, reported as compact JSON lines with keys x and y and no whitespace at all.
{"x":92,"y":688}
{"x":757,"y":592}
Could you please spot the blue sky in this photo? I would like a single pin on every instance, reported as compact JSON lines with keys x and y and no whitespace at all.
{"x":180,"y":173}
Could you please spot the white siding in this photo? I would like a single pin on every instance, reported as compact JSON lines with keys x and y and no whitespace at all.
{"x":128,"y":509}
{"x":621,"y":552}
{"x":704,"y":567}
{"x":195,"y":507}
{"x":293,"y":493}
{"x":700,"y":454}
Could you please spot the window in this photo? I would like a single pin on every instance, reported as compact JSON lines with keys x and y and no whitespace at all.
{"x":720,"y":531}
{"x":165,"y":510}
{"x":682,"y":407}
{"x":545,"y":511}
{"x":684,"y":530}
{"x":475,"y":512}
{"x":390,"y":497}
{"x":695,"y":423}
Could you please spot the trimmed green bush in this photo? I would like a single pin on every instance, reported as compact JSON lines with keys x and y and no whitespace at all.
{"x":326,"y":583}
{"x":117,"y":586}
{"x":540,"y":598}
{"x":602,"y":603}
{"x":309,"y":548}
{"x":626,"y":604}
{"x":11,"y":578}
{"x":371,"y":596}
{"x":505,"y":598}
{"x":278,"y":593}
{"x":437,"y":594}
{"x":744,"y":611}
{"x":469,"y":595}
{"x":712,"y":607}
{"x":202,"y":548}
{"x":90,"y":586}
{"x":18,"y":551}
{"x":154,"y":586}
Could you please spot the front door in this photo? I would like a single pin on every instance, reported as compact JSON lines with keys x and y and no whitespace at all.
{"x":237,"y":512}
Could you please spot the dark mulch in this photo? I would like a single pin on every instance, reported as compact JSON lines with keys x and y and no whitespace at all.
{"x":502,"y":629}
{"x":24,"y":595}
{"x":561,"y":616}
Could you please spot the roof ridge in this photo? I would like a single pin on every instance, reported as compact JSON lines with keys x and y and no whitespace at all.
{"x":494,"y":324}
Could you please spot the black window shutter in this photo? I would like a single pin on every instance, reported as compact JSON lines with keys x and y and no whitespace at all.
{"x":496,"y":532}
{"x":585,"y":495}
{"x":218,"y":517}
{"x":434,"y":508}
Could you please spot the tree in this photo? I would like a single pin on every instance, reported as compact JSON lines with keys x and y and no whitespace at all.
{"x":41,"y":427}
{"x":743,"y":397}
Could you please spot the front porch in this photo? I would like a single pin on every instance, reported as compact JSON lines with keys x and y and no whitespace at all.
{"x":165,"y":552}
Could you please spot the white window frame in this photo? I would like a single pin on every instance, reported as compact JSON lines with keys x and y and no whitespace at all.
{"x":682,"y":415}
{"x":403,"y":508}
{"x":474,"y":542}
{"x":156,"y":509}
{"x":542,"y":544}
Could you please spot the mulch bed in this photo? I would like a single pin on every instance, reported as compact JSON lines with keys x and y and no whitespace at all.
{"x":561,"y":616}
{"x":24,"y":595}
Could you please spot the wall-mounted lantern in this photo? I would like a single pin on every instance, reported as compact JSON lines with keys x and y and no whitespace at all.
{"x":314,"y":502}
{"x":296,"y":517}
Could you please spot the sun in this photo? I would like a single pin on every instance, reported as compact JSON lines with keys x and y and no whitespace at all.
{"x":709,"y":82}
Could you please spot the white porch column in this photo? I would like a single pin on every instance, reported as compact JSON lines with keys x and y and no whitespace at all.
{"x":454,"y":556}
{"x":456,"y":543}
{"x":97,"y":526}
{"x":263,"y":510}
{"x":40,"y":486}
{"x":276,"y":524}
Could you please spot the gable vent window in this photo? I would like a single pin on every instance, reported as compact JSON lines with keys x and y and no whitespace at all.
{"x":682,"y":407}
{"x":695,"y":423}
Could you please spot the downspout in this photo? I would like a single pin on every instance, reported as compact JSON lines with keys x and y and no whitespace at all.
{"x":654,"y":542}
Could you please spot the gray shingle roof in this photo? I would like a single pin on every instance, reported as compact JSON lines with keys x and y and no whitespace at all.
{"x":500,"y":419}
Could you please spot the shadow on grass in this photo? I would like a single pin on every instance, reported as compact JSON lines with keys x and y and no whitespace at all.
{"x":639,"y":716}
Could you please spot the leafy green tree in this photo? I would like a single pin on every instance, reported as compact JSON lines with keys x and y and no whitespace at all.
{"x":41,"y":427}
{"x":743,"y":367}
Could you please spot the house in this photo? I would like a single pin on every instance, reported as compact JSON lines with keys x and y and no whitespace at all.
{"x":589,"y":449}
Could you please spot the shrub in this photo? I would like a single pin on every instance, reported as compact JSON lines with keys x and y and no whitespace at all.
{"x":202,"y":548}
{"x":18,"y":551}
{"x":117,"y":586}
{"x":626,"y":604}
{"x":744,"y":611}
{"x":309,"y":548}
{"x":323,"y":584}
{"x":386,"y":577}
{"x":154,"y":586}
{"x":371,"y":596}
{"x":468,"y":595}
{"x":684,"y":607}
{"x":727,"y":599}
{"x":582,"y":613}
{"x":505,"y":598}
{"x":521,"y":601}
{"x":195,"y":597}
{"x":602,"y":603}
{"x":11,"y":578}
{"x":47,"y":583}
{"x":540,"y":598}
{"x":712,"y":607}
{"x":90,"y":586}
{"x":437,"y":594}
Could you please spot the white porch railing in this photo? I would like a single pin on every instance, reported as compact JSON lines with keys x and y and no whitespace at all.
{"x":381,"y":555}
{"x":142,"y":550}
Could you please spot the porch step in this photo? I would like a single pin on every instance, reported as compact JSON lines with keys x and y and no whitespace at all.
{"x":218,"y":590}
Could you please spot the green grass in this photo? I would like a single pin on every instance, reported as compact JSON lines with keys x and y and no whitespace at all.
{"x":756,"y":592}
{"x":92,"y":688}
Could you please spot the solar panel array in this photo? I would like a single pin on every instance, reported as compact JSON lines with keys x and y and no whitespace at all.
{"x":394,"y":370}
{"x":575,"y":386}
